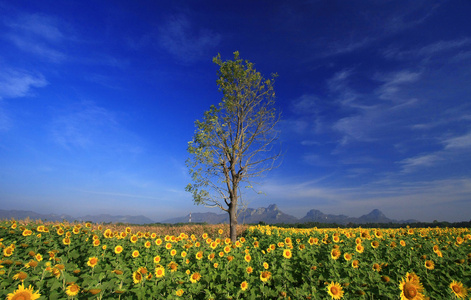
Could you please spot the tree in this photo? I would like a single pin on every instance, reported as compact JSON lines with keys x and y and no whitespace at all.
{"x":235,"y":140}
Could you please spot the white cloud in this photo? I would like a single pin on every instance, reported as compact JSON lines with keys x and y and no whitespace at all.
{"x":434,"y":49}
{"x":444,"y":199}
{"x":459,"y":142}
{"x":413,"y":163}
{"x":17,"y":83}
{"x":83,"y":126}
{"x":180,"y":38}
{"x":37,"y":34}
{"x":390,"y":89}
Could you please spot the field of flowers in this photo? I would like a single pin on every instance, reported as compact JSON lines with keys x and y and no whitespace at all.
{"x":89,"y":261}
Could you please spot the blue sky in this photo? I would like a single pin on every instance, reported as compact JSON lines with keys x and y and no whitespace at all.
{"x":98,"y":101}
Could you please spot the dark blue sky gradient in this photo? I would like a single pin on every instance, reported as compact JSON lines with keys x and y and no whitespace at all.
{"x":98,"y":101}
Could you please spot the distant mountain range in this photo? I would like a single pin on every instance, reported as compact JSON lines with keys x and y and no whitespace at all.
{"x":270,"y":215}
{"x":103,"y":218}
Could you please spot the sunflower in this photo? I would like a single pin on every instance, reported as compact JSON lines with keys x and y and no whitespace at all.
{"x":287,"y":253}
{"x":375,"y":244}
{"x":173,"y":252}
{"x":403,"y":243}
{"x":118,"y":249}
{"x":458,"y":290}
{"x":22,"y":293}
{"x":265,"y":265}
{"x":244,"y":285}
{"x":195,"y":277}
{"x":355,"y":264}
{"x":335,"y":254}
{"x":347,"y":256}
{"x":359,"y":248}
{"x":135,"y":253}
{"x":173,"y":266}
{"x":411,"y":288}
{"x":8,"y":251}
{"x":335,"y":290}
{"x":199,"y":255}
{"x":376,"y":267}
{"x":249,"y":270}
{"x":20,"y":276}
{"x":92,"y":262}
{"x":72,"y":289}
{"x":429,"y":264}
{"x":137,"y":277}
{"x":265,"y":276}
{"x":179,"y":293}
{"x":159,"y":272}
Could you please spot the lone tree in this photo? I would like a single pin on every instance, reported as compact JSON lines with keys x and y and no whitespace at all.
{"x":235,"y":140}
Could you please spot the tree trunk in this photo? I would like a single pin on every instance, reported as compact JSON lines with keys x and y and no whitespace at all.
{"x":233,"y":221}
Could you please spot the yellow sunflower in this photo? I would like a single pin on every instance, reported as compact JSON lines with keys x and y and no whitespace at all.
{"x":429,"y":264}
{"x":135,"y":253}
{"x":179,"y":293}
{"x":335,"y":290}
{"x":411,"y":288}
{"x":287,"y":253}
{"x":265,"y":276}
{"x":118,"y":249}
{"x":244,"y":285}
{"x":72,"y":290}
{"x":20,"y":276}
{"x":136,"y":277}
{"x":195,"y":277}
{"x":355,"y":264}
{"x":458,"y":290}
{"x":159,"y":272}
{"x":335,"y":254}
{"x":22,"y":293}
{"x":92,"y":262}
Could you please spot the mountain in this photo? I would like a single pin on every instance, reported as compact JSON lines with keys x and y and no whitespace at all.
{"x":24,"y":214}
{"x":104,"y":218}
{"x":208,"y":217}
{"x":273,"y":215}
{"x":269,"y":215}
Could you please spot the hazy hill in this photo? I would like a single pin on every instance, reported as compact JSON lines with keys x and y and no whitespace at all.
{"x":272,"y":215}
{"x":104,"y":218}
{"x":269,"y":215}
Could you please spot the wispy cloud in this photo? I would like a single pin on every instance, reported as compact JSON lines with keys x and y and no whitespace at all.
{"x":83,"y":126}
{"x":87,"y":126}
{"x":37,"y":34}
{"x":186,"y":43}
{"x":434,"y":199}
{"x":453,"y":148}
{"x":455,"y":50}
{"x":18,"y":83}
{"x":394,"y":82}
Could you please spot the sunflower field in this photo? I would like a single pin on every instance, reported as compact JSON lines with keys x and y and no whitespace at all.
{"x":89,"y":261}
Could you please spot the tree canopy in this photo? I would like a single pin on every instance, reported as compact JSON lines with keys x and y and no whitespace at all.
{"x":235,"y":140}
